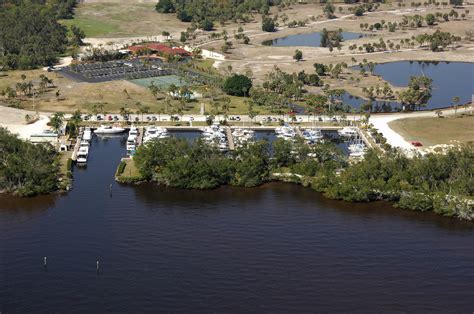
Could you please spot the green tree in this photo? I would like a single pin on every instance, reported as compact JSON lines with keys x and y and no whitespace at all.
{"x":329,"y":10}
{"x":237,"y":85}
{"x":268,"y":24}
{"x":165,"y":6}
{"x":56,"y":121}
{"x":298,"y":56}
{"x":430,"y":19}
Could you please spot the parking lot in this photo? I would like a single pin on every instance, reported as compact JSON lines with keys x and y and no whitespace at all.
{"x":115,"y":70}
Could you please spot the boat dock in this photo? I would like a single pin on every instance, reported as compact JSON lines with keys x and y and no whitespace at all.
{"x":298,"y":132}
{"x":141,"y":134}
{"x":77,"y":145}
{"x":364,"y":138}
{"x":230,"y":138}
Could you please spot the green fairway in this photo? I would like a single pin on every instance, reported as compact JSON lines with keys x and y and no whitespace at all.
{"x":92,"y":26}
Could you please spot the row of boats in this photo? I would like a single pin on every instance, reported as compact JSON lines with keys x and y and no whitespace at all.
{"x":357,"y":147}
{"x":85,"y":136}
{"x":311,"y":136}
{"x":215,"y":135}
{"x":150,"y":133}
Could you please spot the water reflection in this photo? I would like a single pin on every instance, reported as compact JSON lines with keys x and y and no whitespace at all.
{"x":450,"y":79}
{"x":308,"y":40}
{"x":27,"y":205}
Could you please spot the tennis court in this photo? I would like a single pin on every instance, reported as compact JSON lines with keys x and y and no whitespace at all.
{"x":160,"y":81}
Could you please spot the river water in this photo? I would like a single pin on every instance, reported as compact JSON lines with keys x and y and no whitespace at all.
{"x":278,"y":248}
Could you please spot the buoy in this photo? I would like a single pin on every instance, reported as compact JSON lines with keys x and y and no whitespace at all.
{"x":97,"y":265}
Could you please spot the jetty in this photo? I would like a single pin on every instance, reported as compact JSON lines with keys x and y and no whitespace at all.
{"x":141,"y":134}
{"x":298,"y":131}
{"x":77,"y":145}
{"x":230,"y":138}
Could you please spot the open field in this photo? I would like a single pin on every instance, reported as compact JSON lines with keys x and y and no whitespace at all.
{"x":433,"y":131}
{"x":123,"y":19}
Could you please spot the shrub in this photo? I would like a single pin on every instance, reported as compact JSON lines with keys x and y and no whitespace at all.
{"x":121,"y":168}
{"x":268,"y":25}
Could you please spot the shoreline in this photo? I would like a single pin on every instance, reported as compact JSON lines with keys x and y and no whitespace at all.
{"x":305,"y":181}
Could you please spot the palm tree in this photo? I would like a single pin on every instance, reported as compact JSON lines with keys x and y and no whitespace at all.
{"x":251,"y":112}
{"x":144,"y":110}
{"x":160,"y":112}
{"x":124,"y":112}
{"x":456,"y":101}
{"x":225,"y":106}
{"x":56,"y":121}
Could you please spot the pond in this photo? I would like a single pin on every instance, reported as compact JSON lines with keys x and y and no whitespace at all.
{"x":450,"y":79}
{"x":308,"y":40}
{"x":377,"y":106}
{"x":275,"y":248}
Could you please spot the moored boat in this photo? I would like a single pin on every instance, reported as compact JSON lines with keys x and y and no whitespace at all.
{"x":108,"y":129}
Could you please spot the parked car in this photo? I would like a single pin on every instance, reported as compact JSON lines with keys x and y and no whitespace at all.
{"x":416,"y":144}
{"x":109,"y":118}
{"x":153,"y":118}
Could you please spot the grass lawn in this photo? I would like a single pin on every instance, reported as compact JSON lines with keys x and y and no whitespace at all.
{"x":124,"y":19}
{"x":433,"y":131}
{"x":63,"y":161}
{"x":130,"y":169}
{"x":92,"y":26}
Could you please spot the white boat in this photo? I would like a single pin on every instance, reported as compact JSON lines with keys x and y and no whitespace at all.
{"x":312,"y":136}
{"x":286,"y":132}
{"x":154,"y":132}
{"x":87,"y":135}
{"x":215,"y":135}
{"x":133,"y":133}
{"x":82,"y":155}
{"x":348,"y":132}
{"x":108,"y":129}
{"x":357,"y":148}
{"x":242,"y":136}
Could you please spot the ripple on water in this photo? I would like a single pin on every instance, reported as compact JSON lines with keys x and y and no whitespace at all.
{"x":273,"y":248}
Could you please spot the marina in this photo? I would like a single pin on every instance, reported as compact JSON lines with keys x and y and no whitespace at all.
{"x":349,"y":139}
